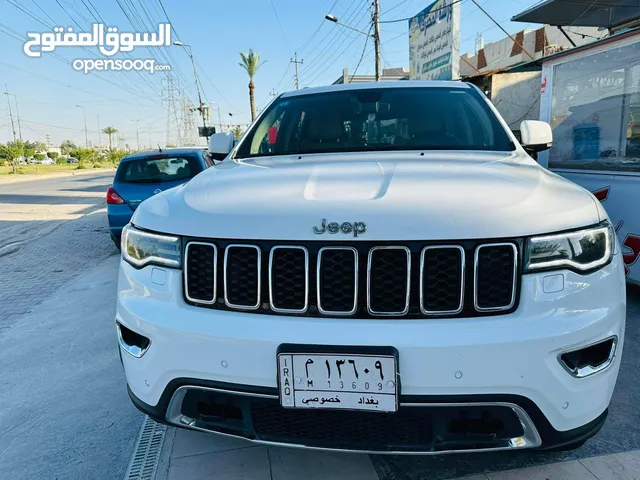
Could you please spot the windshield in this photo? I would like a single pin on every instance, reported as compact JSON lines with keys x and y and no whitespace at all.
{"x":158,"y":170}
{"x":423,"y":118}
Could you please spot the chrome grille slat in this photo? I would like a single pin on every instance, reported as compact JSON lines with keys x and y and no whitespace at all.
{"x":227,"y":281}
{"x":319,"y":281}
{"x":423,"y":260}
{"x":370,"y":260}
{"x":214,"y":284}
{"x":272,"y":301}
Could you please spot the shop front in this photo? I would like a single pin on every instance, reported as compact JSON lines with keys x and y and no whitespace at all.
{"x":591,"y":97}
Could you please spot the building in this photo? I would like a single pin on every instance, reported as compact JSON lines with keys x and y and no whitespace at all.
{"x":505,"y":71}
{"x":398,"y":73}
{"x":529,"y":45}
{"x":590,"y":95}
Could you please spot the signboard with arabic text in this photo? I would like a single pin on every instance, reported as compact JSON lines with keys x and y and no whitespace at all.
{"x":434,"y":42}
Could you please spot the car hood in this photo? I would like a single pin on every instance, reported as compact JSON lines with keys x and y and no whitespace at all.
{"x":399,"y":196}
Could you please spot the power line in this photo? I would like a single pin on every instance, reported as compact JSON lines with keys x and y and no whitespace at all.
{"x":505,"y":32}
{"x":332,"y":47}
{"x":275,"y":12}
{"x":361,"y":56}
{"x":395,"y":6}
{"x":336,"y":33}
{"x":313,"y":35}
{"x":430,"y":12}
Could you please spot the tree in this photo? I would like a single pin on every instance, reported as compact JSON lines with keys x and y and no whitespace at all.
{"x":12,"y":151}
{"x":115,"y":157}
{"x":237,"y":132}
{"x":251,"y":63}
{"x":66,"y":146}
{"x":29,"y":152}
{"x":53,"y":155}
{"x":39,"y":156}
{"x":109,"y":130}
{"x":83,"y":154}
{"x":40,"y":147}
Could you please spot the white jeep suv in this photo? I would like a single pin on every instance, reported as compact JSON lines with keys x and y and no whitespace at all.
{"x":376,"y":267}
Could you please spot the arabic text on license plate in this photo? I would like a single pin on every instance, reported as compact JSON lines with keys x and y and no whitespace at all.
{"x":351,"y":382}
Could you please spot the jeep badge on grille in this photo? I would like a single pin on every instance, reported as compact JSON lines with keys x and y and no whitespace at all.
{"x":346,"y":227}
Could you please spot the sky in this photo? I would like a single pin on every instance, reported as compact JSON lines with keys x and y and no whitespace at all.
{"x":53,"y":98}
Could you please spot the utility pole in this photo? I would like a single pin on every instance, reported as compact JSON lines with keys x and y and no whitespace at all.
{"x":217,"y":109}
{"x":86,"y":136}
{"x":137,"y":133}
{"x":195,"y":75}
{"x":13,"y":127}
{"x":296,"y":61}
{"x":99,"y":131}
{"x":376,"y":36}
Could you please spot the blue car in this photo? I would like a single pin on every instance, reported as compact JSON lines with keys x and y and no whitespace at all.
{"x":141,"y":175}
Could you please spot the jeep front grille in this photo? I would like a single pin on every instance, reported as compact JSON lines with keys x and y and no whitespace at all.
{"x":361,"y":279}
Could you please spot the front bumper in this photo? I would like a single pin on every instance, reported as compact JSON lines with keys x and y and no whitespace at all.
{"x":506,"y":359}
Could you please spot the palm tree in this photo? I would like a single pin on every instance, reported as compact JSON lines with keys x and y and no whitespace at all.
{"x":110,"y":131}
{"x":251,"y":63}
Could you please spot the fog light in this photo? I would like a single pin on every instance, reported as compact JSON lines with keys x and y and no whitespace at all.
{"x":131,"y":342}
{"x":591,"y":359}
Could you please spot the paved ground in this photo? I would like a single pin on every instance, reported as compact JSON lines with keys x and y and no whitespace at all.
{"x":64,"y":412}
{"x":29,"y":210}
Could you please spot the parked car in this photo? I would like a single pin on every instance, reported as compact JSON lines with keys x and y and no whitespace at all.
{"x":376,"y":267}
{"x":72,"y":160}
{"x":47,"y":161}
{"x":143,"y":174}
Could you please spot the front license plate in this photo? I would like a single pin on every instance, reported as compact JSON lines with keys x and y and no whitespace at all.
{"x":348,"y":382}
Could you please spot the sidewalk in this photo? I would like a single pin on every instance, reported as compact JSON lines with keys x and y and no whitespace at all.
{"x":4,"y":179}
{"x":195,"y":455}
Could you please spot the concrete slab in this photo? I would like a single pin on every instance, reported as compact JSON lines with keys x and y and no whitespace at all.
{"x":187,"y":443}
{"x":294,"y":464}
{"x":250,"y":463}
{"x":620,"y":466}
{"x":573,"y":470}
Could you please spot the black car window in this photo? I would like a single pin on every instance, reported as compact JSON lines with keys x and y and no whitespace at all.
{"x":377,"y":119}
{"x":158,"y":169}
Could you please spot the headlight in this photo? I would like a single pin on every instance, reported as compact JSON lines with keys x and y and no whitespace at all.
{"x":143,"y":248}
{"x":581,"y":250}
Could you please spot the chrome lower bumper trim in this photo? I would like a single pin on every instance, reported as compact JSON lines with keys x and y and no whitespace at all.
{"x":529,"y":439}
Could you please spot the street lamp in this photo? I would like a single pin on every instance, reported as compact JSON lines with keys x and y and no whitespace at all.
{"x":195,"y":75}
{"x":86,"y":137}
{"x":334,"y":19}
{"x":375,"y":20}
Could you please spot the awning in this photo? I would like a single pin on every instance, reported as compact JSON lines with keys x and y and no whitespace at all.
{"x":582,"y":13}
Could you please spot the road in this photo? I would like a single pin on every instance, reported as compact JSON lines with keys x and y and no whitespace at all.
{"x":31,"y":209}
{"x":64,"y":410}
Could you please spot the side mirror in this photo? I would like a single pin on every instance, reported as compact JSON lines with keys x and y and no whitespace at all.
{"x":220,"y":144}
{"x":535,"y":135}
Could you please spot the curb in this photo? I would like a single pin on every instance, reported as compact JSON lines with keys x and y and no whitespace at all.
{"x":29,"y":177}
